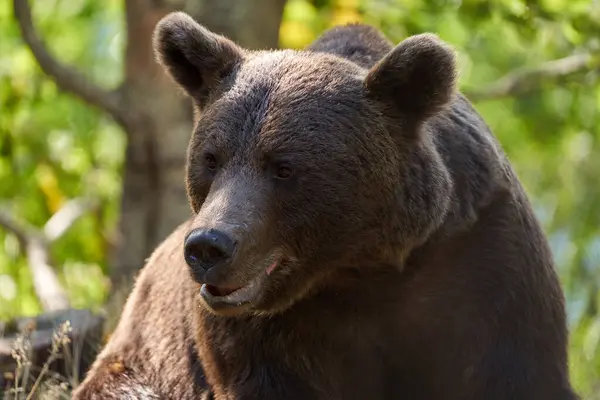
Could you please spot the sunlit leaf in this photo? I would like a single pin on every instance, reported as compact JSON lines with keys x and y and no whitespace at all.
{"x":49,"y":186}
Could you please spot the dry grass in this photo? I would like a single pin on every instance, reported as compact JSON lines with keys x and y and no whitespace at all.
{"x":33,"y":382}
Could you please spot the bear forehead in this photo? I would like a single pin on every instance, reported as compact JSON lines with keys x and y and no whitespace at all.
{"x":300,"y":81}
{"x":301,"y":69}
{"x":278,"y":93}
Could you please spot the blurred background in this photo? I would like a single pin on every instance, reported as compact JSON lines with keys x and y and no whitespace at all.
{"x":93,"y":134}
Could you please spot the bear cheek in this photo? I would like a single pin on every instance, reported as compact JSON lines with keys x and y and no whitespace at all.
{"x":318,"y":240}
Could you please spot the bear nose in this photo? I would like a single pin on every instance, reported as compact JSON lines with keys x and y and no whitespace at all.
{"x":206,"y":248}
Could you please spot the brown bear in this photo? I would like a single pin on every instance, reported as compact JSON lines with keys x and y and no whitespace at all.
{"x":357,"y":233}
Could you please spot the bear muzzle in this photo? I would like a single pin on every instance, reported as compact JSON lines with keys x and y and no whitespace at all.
{"x":239,"y":298}
{"x":229,"y":280}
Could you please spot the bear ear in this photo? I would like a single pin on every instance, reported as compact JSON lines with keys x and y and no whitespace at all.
{"x":417,"y":79}
{"x":194,"y":57}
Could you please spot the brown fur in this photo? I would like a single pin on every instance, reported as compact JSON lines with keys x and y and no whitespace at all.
{"x":410,"y":262}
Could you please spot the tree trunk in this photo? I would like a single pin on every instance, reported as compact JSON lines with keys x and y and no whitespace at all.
{"x":158,"y":124}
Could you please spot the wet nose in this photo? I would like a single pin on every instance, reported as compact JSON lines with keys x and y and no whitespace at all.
{"x":206,"y":248}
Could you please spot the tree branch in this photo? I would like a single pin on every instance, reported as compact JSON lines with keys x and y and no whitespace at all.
{"x":45,"y":282}
{"x":64,"y":218}
{"x":527,"y":80}
{"x":21,"y":230}
{"x":65,"y":77}
{"x":36,"y":247}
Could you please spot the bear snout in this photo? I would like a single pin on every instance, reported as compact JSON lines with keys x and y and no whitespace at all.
{"x":205,"y":249}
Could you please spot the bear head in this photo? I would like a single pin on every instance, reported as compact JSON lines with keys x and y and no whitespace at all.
{"x":303,"y":164}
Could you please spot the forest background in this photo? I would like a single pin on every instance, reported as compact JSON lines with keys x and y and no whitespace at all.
{"x":93,"y":135}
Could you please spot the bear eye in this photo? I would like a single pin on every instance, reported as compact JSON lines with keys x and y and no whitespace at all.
{"x":283,"y":172}
{"x":211,"y":162}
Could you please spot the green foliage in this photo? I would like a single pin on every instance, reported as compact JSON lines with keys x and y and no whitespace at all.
{"x":53,"y":147}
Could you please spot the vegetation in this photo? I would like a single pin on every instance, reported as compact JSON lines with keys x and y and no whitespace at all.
{"x":530,"y":66}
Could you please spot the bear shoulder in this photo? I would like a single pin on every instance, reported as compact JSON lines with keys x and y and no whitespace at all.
{"x":154,"y":331}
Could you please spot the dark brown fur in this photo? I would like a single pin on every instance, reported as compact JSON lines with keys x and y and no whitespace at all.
{"x":411,"y":265}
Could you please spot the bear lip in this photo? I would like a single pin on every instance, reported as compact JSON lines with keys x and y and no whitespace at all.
{"x":221,"y":291}
{"x":236,"y":298}
{"x":272,"y":267}
{"x":223,"y":298}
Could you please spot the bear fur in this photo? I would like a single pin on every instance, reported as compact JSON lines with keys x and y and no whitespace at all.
{"x":391,"y":250}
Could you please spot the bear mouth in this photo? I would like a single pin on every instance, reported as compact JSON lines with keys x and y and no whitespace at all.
{"x":226,"y":298}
